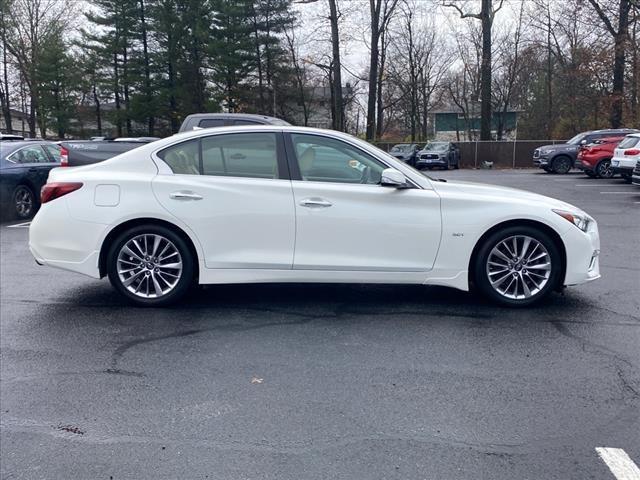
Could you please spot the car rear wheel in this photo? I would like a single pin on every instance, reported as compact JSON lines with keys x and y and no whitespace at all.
{"x":561,"y":164}
{"x":24,"y":202}
{"x":150,"y":265}
{"x":517,"y":266}
{"x":604,"y":168}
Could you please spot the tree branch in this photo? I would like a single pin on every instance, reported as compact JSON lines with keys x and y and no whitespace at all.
{"x":461,"y":12}
{"x":603,"y":17}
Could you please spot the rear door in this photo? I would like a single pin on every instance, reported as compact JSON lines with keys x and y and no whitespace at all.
{"x":232,"y":190}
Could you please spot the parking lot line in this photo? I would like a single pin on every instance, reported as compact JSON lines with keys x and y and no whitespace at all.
{"x":20,"y":225}
{"x":619,"y":463}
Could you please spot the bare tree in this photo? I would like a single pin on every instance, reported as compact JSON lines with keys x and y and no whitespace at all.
{"x":620,"y":34}
{"x":381,"y":14}
{"x":31,"y":24}
{"x":486,"y":16}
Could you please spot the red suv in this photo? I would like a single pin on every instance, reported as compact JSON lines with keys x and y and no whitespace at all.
{"x":595,"y":158}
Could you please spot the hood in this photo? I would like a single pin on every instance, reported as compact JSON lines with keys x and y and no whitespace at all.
{"x":506,"y":194}
{"x":565,"y":147}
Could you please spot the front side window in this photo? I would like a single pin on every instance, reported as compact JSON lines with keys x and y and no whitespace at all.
{"x":323,"y":159}
{"x":30,"y":154}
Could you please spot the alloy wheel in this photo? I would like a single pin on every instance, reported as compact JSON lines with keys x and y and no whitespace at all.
{"x":23,"y":201}
{"x":518,"y":267}
{"x":149,"y":265}
{"x":605,"y":170}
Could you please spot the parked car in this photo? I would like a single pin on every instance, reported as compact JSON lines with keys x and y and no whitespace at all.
{"x":439,"y":154}
{"x":24,"y":167}
{"x":635,"y":175}
{"x":295,"y":204}
{"x":561,"y":157}
{"x":209,"y":120}
{"x":406,"y":152}
{"x":625,"y":156}
{"x":85,"y":152}
{"x":595,"y":158}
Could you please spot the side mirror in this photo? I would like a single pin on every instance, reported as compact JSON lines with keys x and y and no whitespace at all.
{"x":393,"y":178}
{"x":583,"y":142}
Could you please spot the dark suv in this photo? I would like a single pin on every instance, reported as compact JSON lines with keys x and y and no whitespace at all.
{"x":561,"y":157}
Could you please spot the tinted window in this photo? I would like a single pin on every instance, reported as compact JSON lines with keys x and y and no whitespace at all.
{"x":629,"y":142}
{"x":245,"y":122}
{"x":54,"y":152}
{"x":251,"y":155}
{"x":182,"y":158}
{"x":323,"y":159}
{"x":211,"y":122}
{"x":30,"y":154}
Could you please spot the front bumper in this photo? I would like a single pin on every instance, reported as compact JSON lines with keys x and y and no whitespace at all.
{"x":431,"y":162}
{"x":541,"y":162}
{"x":583,"y":255}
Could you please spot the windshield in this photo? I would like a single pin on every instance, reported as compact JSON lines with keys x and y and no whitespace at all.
{"x":576,"y":140}
{"x":402,"y":147}
{"x":437,"y":147}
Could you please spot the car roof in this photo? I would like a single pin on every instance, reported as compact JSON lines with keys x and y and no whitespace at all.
{"x":615,"y":130}
{"x":246,"y":116}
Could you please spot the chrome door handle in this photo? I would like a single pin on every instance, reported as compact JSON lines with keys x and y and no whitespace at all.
{"x":185,"y":196}
{"x":315,"y":203}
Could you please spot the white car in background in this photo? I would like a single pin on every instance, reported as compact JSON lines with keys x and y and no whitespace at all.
{"x":625,"y":156}
{"x":292,"y":204}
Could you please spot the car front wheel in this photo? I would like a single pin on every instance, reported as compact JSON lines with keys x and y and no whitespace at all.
{"x":150,"y":265}
{"x":517,"y":266}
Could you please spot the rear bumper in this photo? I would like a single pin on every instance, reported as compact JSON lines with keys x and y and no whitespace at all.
{"x":51,"y":243}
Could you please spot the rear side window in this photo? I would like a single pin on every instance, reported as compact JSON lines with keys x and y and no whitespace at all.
{"x":54,"y":152}
{"x":629,"y":142}
{"x":183,"y":158}
{"x":251,"y":155}
{"x":245,"y":122}
{"x":211,"y":122}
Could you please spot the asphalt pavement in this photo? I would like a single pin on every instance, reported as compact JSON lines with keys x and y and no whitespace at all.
{"x":325,"y":381}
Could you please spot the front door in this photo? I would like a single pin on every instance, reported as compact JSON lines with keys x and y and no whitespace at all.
{"x":347,"y":221}
{"x":230,"y":189}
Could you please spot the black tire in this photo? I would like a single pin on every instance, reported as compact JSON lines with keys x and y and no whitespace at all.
{"x":626,"y":177}
{"x":24,"y":202}
{"x":547,"y":169}
{"x":481,"y":268}
{"x":561,"y":164}
{"x":604,"y":169}
{"x":448,"y":164}
{"x":182,"y":285}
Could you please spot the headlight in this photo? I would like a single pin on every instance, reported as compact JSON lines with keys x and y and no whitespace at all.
{"x":580,"y":221}
{"x":545,"y":153}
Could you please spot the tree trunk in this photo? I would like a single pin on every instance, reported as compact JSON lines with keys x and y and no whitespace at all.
{"x":96,"y":100}
{"x":485,"y":71}
{"x":336,"y":83}
{"x":374,"y":6}
{"x":619,"y":64}
{"x":116,"y":91}
{"x":151,"y":121}
{"x":6,"y":99}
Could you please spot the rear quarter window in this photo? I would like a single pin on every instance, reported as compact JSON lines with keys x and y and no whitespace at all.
{"x":629,"y":142}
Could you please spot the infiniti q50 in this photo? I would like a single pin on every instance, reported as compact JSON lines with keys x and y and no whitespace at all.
{"x":291,"y":204}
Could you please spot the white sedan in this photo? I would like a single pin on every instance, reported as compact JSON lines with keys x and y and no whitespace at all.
{"x":293,"y":204}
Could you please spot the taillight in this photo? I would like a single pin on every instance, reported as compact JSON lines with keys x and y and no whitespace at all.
{"x":633,"y":151}
{"x":51,"y":191}
{"x":64,"y":157}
